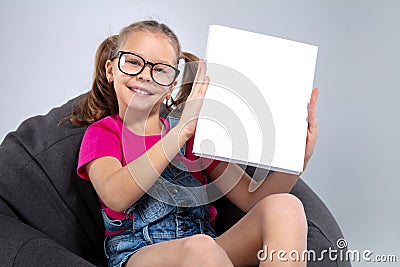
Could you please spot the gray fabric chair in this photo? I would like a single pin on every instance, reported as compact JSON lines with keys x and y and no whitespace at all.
{"x":50,"y":217}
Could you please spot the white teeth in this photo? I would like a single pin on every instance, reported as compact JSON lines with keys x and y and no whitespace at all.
{"x":140,"y":92}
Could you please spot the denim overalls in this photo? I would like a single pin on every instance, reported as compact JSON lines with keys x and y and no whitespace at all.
{"x":174,"y":207}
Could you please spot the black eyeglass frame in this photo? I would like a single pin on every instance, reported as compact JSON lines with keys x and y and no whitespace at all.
{"x":121,"y":53}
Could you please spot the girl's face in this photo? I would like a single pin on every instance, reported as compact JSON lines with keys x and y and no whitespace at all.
{"x":140,"y":92}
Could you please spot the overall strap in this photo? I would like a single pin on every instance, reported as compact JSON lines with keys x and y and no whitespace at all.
{"x":173,"y":121}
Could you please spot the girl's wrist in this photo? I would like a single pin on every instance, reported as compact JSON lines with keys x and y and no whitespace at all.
{"x":305,"y":164}
{"x":180,"y":136}
{"x":183,"y":134}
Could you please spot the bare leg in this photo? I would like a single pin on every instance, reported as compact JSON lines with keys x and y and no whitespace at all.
{"x":197,"y":251}
{"x":278,"y":222}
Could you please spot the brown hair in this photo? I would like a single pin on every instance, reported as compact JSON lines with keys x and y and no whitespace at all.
{"x":188,"y":77}
{"x":101,"y":100}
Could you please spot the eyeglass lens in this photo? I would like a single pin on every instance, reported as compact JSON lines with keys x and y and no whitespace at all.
{"x":161,"y":73}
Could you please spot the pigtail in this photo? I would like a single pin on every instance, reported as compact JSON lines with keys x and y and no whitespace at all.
{"x":101,"y":100}
{"x":189,"y":74}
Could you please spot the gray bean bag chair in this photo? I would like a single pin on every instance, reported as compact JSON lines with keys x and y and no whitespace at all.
{"x":51,"y":217}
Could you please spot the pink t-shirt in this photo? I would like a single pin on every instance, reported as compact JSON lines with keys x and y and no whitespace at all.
{"x":109,"y":137}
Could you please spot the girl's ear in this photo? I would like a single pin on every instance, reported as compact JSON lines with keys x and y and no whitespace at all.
{"x":171,"y":88}
{"x":109,"y":71}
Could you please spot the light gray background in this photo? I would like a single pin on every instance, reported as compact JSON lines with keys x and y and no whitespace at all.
{"x":47,"y":51}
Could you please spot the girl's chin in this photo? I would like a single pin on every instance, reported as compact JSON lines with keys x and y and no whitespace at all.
{"x":147,"y":103}
{"x":139,"y":106}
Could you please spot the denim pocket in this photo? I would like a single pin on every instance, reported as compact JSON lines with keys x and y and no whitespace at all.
{"x":118,"y":245}
{"x":150,"y":207}
{"x":192,"y":190}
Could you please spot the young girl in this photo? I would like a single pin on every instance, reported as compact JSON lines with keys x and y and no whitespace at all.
{"x":127,"y":152}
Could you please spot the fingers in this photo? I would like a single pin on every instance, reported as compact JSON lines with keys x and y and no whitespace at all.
{"x":202,"y":87}
{"x":201,"y":81}
{"x":312,"y":111}
{"x":201,"y":71}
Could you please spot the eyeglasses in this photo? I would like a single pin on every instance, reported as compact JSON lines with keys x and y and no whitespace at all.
{"x":132,"y":64}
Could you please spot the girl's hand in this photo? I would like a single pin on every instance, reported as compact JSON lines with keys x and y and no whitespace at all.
{"x":194,"y":101}
{"x":312,"y":131}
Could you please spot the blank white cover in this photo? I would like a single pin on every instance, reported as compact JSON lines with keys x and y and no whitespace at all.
{"x":283,"y":72}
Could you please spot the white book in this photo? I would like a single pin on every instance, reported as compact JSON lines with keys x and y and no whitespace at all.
{"x":256,"y":106}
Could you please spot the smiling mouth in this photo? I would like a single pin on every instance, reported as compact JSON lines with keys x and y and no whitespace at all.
{"x":139,"y":91}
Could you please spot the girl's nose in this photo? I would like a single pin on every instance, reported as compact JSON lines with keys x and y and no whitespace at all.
{"x":145,"y":74}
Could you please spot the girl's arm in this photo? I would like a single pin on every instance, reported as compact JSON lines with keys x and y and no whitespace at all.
{"x":226,"y":174}
{"x":119,"y":187}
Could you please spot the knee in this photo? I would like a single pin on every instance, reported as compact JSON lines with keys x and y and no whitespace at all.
{"x":205,"y":247}
{"x":284,"y":207}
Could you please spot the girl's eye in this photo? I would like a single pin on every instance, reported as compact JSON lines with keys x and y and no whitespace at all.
{"x":134,"y":62}
{"x":159,"y":70}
